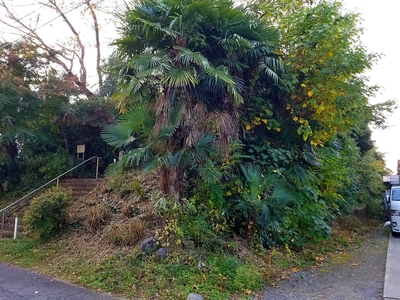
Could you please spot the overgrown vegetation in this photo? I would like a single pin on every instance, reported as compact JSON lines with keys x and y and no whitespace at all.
{"x":245,"y":134}
{"x":202,"y":257}
{"x":286,"y":150}
{"x":47,"y":213}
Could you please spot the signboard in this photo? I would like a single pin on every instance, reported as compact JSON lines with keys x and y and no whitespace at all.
{"x":80,"y":149}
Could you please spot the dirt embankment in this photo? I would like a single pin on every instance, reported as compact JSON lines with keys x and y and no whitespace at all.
{"x":355,"y":275}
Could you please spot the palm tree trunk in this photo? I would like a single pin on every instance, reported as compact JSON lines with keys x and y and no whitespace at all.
{"x":165,"y":180}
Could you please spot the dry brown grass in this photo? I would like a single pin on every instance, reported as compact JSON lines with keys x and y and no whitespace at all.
{"x":98,"y":215}
{"x":126,"y":233}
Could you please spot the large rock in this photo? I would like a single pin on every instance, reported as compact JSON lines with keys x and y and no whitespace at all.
{"x":149,"y":244}
{"x":188,"y":244}
{"x":161,"y":253}
{"x":194,"y":297}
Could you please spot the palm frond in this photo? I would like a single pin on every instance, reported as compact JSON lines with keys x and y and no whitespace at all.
{"x":235,"y":43}
{"x":257,"y":51}
{"x":118,"y":135}
{"x":200,"y":151}
{"x":220,"y":75}
{"x":161,"y":160}
{"x":136,"y":123}
{"x":310,"y":157}
{"x":281,"y":196}
{"x":243,"y":206}
{"x":165,"y":133}
{"x":114,"y":168}
{"x":270,"y":72}
{"x":205,"y":9}
{"x":204,"y":146}
{"x":187,"y":56}
{"x":209,"y":173}
{"x":137,"y":115}
{"x":298,"y":175}
{"x":149,"y":63}
{"x":184,"y":77}
{"x":149,"y":28}
{"x":274,"y":63}
{"x":183,"y":158}
{"x":231,"y":64}
{"x":130,"y":91}
{"x":177,"y":113}
{"x":137,"y":157}
{"x":234,"y":91}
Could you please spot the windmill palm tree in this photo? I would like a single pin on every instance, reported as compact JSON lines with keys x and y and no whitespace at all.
{"x":198,"y":55}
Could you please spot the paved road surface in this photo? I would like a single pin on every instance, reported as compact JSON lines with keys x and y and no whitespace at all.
{"x":20,"y":284}
{"x":358,"y":275}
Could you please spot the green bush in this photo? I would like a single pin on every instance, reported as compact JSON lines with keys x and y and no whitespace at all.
{"x":47,"y":214}
{"x":40,"y":169}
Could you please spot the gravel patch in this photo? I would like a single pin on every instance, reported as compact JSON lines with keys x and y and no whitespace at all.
{"x":356,"y":275}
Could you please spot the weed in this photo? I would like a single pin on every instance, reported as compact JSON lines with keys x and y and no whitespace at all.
{"x":98,"y":215}
{"x":127,"y":209}
{"x":125,"y":234}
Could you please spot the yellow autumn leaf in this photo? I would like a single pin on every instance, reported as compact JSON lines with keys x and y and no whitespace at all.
{"x":303,"y":85}
{"x":295,"y":118}
{"x":310,"y":93}
{"x":278,"y":129}
{"x":248,"y":127}
{"x":265,"y":121}
{"x":229,"y":193}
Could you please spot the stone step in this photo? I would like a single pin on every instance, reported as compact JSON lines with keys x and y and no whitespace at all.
{"x":7,"y":234}
{"x":11,"y":220}
{"x":86,"y":182}
{"x":79,"y":187}
{"x":10,"y":227}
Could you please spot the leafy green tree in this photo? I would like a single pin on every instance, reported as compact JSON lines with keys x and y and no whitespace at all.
{"x":39,"y":127}
{"x":18,"y":106}
{"x":313,"y":127}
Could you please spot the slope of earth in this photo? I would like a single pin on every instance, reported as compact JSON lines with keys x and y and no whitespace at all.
{"x":355,"y":275}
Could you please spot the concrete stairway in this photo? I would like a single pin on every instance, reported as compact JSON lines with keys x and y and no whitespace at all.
{"x":7,"y":229}
{"x":79,"y":187}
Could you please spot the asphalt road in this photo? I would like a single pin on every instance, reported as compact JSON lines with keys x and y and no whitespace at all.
{"x":20,"y":284}
{"x":357,"y":275}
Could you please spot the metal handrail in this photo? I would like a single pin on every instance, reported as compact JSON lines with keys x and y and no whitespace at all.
{"x":56,"y":178}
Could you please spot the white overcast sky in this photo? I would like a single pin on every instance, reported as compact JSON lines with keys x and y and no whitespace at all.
{"x":381,"y":24}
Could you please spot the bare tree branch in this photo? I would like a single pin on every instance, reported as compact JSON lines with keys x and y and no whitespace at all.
{"x":81,"y":57}
{"x":96,"y":30}
{"x":60,"y":54}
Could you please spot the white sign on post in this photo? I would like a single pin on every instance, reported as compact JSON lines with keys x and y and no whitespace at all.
{"x":80,"y":149}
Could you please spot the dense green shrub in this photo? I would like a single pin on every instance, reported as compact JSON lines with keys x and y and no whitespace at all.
{"x":47,"y":214}
{"x":42,"y":168}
